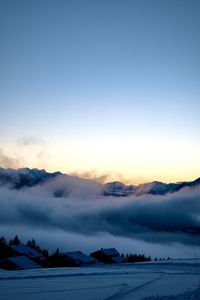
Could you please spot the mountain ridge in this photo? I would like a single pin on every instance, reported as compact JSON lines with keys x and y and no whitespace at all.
{"x":27,"y":177}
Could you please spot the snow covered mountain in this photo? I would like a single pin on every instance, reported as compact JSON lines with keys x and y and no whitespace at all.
{"x":118,"y":188}
{"x":154,"y":188}
{"x":25,"y":177}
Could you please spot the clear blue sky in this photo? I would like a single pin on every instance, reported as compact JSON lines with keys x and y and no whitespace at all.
{"x":110,"y":86}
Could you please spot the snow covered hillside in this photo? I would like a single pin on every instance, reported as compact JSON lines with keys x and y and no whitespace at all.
{"x":176,"y":280}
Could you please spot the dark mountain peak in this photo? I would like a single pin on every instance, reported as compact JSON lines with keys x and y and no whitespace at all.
{"x":24,"y":177}
{"x":117,"y":188}
{"x":196,"y":181}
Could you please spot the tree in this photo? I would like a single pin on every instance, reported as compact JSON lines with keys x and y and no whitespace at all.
{"x":2,"y":241}
{"x":31,"y":243}
{"x":14,"y":242}
{"x":57,"y":252}
{"x":45,"y":253}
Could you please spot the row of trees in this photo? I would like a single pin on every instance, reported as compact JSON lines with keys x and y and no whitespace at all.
{"x":129,"y":258}
{"x":30,"y":243}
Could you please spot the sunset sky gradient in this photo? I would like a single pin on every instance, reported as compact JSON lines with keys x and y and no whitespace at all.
{"x":101,"y":87}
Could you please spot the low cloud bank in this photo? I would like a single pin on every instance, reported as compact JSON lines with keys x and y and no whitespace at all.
{"x":93,"y":219}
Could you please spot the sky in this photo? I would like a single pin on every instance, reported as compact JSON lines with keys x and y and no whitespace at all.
{"x":101,"y":87}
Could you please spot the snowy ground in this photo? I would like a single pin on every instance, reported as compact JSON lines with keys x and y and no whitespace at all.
{"x":161,"y":281}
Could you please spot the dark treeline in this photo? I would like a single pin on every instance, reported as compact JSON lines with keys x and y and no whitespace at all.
{"x":5,"y":245}
{"x":129,"y":258}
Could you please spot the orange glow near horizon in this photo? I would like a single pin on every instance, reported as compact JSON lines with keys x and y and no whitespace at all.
{"x":130,"y":161}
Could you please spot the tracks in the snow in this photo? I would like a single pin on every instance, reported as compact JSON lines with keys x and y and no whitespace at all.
{"x":120,"y":294}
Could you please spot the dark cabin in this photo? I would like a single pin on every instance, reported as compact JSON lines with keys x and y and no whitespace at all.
{"x":107,"y":256}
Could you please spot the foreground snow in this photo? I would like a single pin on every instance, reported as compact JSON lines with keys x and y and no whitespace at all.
{"x":178,"y":280}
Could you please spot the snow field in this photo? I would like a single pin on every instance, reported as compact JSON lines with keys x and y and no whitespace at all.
{"x":150,"y":281}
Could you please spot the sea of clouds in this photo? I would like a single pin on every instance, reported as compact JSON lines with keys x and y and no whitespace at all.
{"x":81,"y":218}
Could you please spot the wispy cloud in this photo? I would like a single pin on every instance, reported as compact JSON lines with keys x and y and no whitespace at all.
{"x":30,"y":141}
{"x":8,"y":162}
{"x":94,"y":175}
